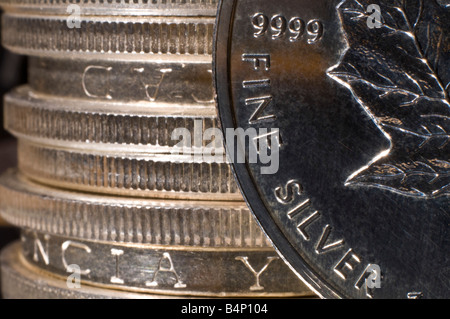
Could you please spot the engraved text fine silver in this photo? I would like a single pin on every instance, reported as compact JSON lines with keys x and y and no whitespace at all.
{"x":359,"y":92}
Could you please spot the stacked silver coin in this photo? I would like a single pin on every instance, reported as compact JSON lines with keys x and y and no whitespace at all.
{"x":114,"y":193}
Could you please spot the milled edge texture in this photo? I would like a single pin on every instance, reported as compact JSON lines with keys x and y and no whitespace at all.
{"x":126,"y":220}
{"x":191,"y":36}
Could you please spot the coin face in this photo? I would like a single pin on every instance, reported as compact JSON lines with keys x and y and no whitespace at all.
{"x":350,"y":102}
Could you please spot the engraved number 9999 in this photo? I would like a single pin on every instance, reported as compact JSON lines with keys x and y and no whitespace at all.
{"x":296,"y":28}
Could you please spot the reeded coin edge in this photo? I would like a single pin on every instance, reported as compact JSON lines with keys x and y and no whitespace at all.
{"x":229,"y":263}
{"x":119,"y":11}
{"x":54,"y":119}
{"x":159,"y":37}
{"x":157,"y":176}
{"x":123,"y":7}
{"x":128,"y":220}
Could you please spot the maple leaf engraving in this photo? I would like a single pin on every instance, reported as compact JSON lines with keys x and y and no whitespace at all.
{"x":400,"y":75}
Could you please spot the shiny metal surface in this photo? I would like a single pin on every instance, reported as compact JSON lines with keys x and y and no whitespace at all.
{"x":167,"y":269}
{"x":360,"y":205}
{"x":187,"y":84}
{"x":126,"y":219}
{"x":151,"y":127}
{"x":101,"y":164}
{"x":119,"y":8}
{"x":130,"y":173}
{"x":8,"y":159}
{"x":47,"y":35}
{"x":20,"y":280}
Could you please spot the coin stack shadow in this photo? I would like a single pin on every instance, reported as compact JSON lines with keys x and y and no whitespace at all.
{"x":114,"y":192}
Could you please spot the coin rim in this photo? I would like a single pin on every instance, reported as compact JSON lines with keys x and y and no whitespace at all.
{"x":16,"y":268}
{"x":113,"y":8}
{"x":58,"y":204}
{"x":177,"y":253}
{"x":221,"y":77}
{"x":37,"y":117}
{"x":75,"y":163}
{"x":30,"y":41}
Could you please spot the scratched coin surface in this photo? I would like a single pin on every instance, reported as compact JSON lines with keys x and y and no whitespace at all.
{"x":357,"y":95}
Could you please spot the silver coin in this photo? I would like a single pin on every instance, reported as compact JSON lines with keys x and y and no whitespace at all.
{"x":173,"y":270}
{"x":129,"y":173}
{"x":98,"y":80}
{"x":20,"y":280}
{"x":85,"y":124}
{"x":117,"y":7}
{"x":29,"y":205}
{"x":132,"y":38}
{"x":358,"y":92}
